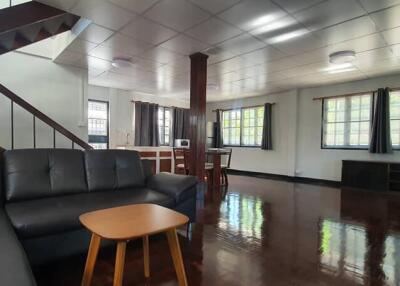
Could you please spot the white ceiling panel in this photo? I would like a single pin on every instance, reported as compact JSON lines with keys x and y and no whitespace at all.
{"x":148,"y":31}
{"x":254,"y":46}
{"x":242,"y":44}
{"x":138,"y":6}
{"x":373,"y":56}
{"x":108,"y":53}
{"x":361,"y":44}
{"x":219,"y":56}
{"x":348,"y":30}
{"x":373,"y":5}
{"x":293,"y":6}
{"x":96,"y":63}
{"x":329,"y":12}
{"x":251,"y":14}
{"x":70,"y":58}
{"x":161,"y":55}
{"x":263,"y":55}
{"x":81,"y":46}
{"x":392,"y":36}
{"x":95,"y":34}
{"x":213,"y":31}
{"x":299,"y":44}
{"x":60,"y":4}
{"x":388,"y":18}
{"x":176,"y":14}
{"x":184,"y":45}
{"x":214,"y":6}
{"x":103,"y":13}
{"x":127,"y":44}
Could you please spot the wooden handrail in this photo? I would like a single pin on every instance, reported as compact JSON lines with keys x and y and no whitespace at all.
{"x":38,"y":114}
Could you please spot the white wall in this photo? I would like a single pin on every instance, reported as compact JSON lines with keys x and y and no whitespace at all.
{"x":59,"y":91}
{"x":314,"y":162}
{"x":297,"y":133}
{"x":280,"y":159}
{"x":53,"y":89}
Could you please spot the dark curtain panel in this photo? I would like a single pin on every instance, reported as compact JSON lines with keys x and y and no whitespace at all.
{"x":380,"y":135}
{"x":180,"y":124}
{"x":146,"y":124}
{"x":218,"y":142}
{"x":266,"y":142}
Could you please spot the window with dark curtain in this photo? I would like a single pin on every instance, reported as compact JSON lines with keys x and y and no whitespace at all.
{"x":380,"y":137}
{"x":266,"y":141}
{"x":180,"y":124}
{"x":146,"y":124}
{"x":218,"y":130}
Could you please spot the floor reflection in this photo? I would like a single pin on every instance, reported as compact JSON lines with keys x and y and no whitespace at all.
{"x":242,"y":215}
{"x":274,"y":233}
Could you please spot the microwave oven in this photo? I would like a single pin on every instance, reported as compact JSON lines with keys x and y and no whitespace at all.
{"x":182,"y":143}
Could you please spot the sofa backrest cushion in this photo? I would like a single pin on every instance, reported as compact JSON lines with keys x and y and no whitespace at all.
{"x":37,"y":173}
{"x":113,"y":169}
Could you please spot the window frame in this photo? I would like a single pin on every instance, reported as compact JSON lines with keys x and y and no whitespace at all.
{"x":394,"y":147}
{"x":241,"y":145}
{"x":169,"y":127}
{"x":362,"y":148}
{"x":108,"y":125}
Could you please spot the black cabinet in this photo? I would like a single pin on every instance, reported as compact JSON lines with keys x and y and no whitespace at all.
{"x":371,"y":175}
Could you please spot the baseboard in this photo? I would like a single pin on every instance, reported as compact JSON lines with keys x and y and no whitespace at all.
{"x":286,"y":178}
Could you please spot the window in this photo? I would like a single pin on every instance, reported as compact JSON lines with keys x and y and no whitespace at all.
{"x":347,"y":122}
{"x":98,"y":123}
{"x":164,"y":123}
{"x":231,"y":127}
{"x":252,"y":126}
{"x":243,"y":127}
{"x":395,"y":118}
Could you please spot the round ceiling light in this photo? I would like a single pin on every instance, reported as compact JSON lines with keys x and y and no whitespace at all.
{"x":121,"y":63}
{"x":342,"y":57}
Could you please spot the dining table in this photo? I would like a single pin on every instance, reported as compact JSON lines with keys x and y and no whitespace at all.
{"x":216,"y":154}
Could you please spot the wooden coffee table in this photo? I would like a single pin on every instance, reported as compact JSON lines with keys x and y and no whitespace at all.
{"x":125,"y":223}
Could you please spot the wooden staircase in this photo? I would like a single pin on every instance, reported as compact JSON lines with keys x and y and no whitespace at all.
{"x":36,"y":114}
{"x":30,"y":22}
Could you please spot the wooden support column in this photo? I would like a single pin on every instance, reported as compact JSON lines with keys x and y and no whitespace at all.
{"x":197,"y":125}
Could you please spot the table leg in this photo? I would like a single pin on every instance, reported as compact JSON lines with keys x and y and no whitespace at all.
{"x":91,"y":260}
{"x":177,"y":256}
{"x":146,"y":257}
{"x":119,"y":263}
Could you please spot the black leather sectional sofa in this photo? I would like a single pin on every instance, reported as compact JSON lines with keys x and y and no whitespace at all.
{"x":43,"y":192}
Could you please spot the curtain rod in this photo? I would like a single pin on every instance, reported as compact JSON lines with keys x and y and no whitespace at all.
{"x":353,"y":94}
{"x":215,"y":110}
{"x":171,"y":106}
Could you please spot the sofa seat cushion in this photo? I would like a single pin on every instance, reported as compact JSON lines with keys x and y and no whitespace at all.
{"x":59,"y":214}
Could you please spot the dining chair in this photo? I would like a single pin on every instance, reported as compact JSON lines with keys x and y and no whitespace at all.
{"x":225,"y":165}
{"x":179,"y":160}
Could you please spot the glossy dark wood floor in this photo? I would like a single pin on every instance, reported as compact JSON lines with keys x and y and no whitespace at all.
{"x":265,"y":232}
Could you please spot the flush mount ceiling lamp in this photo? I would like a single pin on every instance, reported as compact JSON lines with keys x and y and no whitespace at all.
{"x":342,"y":57}
{"x":122,"y":63}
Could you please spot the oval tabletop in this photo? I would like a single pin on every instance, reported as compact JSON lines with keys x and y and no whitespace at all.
{"x":127,"y":222}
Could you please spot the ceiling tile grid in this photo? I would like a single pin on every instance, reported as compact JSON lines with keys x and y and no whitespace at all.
{"x":254,"y":46}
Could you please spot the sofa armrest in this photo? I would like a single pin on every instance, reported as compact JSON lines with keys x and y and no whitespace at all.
{"x":180,"y":187}
{"x":14,"y":267}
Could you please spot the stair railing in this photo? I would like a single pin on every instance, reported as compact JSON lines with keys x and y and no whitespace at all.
{"x":15,"y":99}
